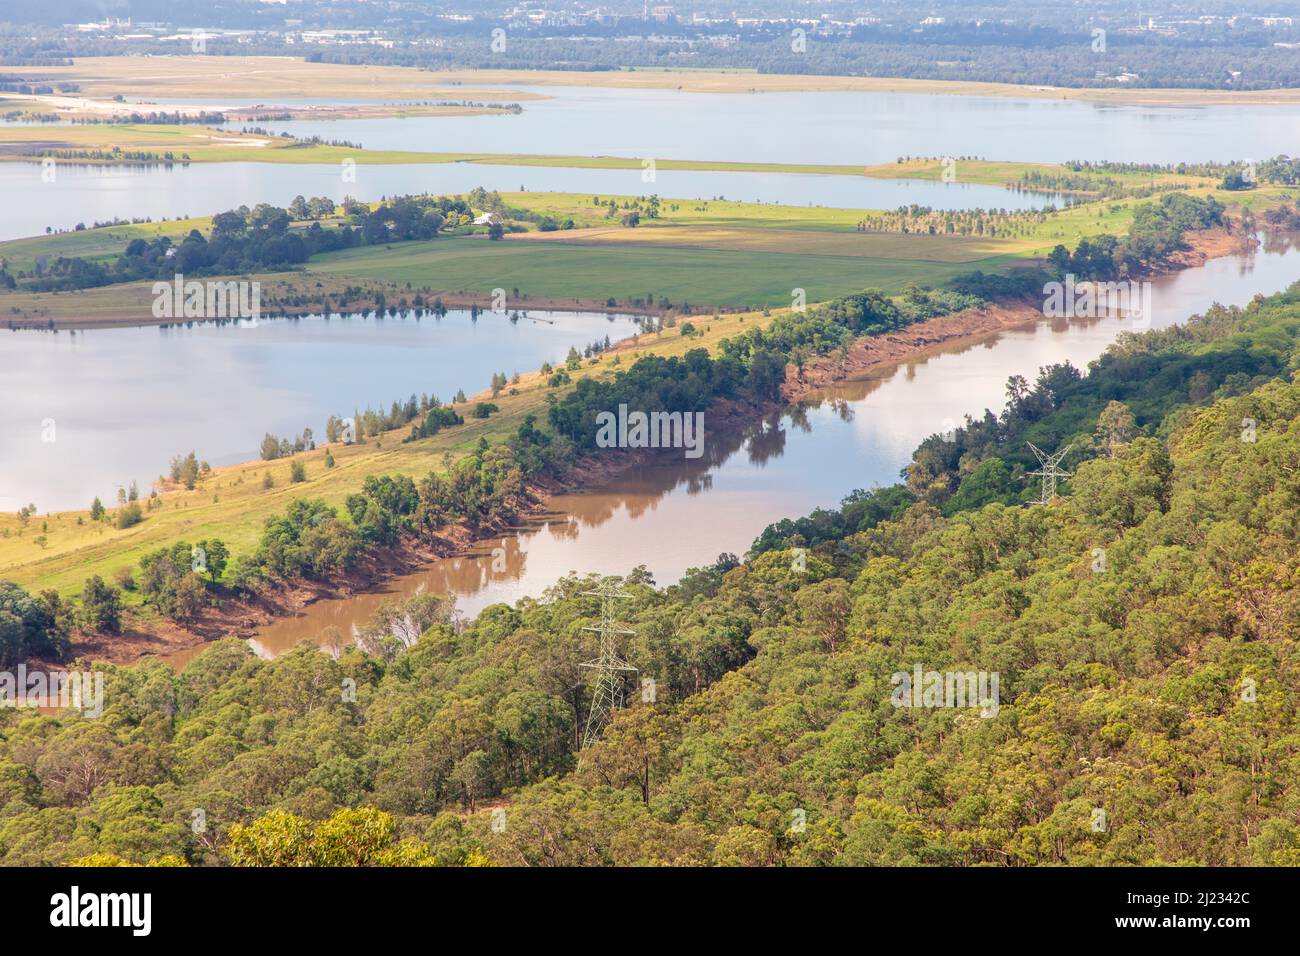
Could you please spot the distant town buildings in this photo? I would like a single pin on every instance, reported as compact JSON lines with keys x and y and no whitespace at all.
{"x":721,"y":30}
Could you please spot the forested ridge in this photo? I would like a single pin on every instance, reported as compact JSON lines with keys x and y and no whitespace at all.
{"x":1142,"y":626}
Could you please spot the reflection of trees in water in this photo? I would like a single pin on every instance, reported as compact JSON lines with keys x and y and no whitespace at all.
{"x":1276,"y":243}
{"x":566,"y":529}
{"x":766,"y":442}
{"x":699,"y":483}
{"x":642,"y":488}
{"x":798,"y":416}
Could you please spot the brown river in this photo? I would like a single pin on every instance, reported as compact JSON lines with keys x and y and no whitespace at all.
{"x":676,"y":513}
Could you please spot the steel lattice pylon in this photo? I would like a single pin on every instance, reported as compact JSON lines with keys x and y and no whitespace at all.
{"x":1050,"y":470}
{"x":609,"y":667}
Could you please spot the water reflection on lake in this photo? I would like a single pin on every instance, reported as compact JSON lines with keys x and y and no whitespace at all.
{"x":125,"y":401}
{"x":819,"y":128}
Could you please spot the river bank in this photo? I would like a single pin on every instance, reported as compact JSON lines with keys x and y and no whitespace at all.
{"x":869,"y":355}
{"x":244,"y":616}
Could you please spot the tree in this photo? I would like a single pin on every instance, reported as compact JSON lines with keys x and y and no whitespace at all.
{"x":351,"y":837}
{"x":215,"y":557}
{"x":168,"y":582}
{"x":270,"y":448}
{"x":825,"y":606}
{"x":129,"y":515}
{"x":185,"y":469}
{"x":633,"y":750}
{"x":76,"y":761}
{"x":1116,"y":427}
{"x":1236,"y":181}
{"x":29,"y":627}
{"x":471,"y":773}
{"x":101,"y":606}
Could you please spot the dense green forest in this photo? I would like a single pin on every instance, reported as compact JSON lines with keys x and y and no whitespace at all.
{"x":1141,"y":626}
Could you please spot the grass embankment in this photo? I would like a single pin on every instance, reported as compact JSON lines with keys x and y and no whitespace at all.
{"x":232,"y":503}
{"x":266,"y":77}
{"x":708,"y":253}
{"x":201,"y":144}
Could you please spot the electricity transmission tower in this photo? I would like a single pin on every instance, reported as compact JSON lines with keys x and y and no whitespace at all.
{"x":1050,"y":469}
{"x":606,"y":694}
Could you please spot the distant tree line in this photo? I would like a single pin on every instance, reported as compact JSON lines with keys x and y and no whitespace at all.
{"x":257,"y":240}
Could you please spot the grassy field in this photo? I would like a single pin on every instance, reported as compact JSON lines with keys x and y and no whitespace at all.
{"x":131,"y":303}
{"x":1005,"y":173}
{"x":699,"y":276}
{"x":714,"y":253}
{"x":213,"y":77}
{"x":709,"y":253}
{"x":105,"y":243}
{"x":1085,"y":219}
{"x":204,"y":144}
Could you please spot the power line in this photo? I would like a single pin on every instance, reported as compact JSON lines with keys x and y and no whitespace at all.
{"x":1049,"y":470}
{"x":606,"y":696}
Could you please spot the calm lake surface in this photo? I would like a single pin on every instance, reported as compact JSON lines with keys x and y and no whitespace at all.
{"x":124,"y":401}
{"x":858,"y":128}
{"x":676,"y":514}
{"x":852,"y":128}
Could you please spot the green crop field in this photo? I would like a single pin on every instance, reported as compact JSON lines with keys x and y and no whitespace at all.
{"x":684,"y":275}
